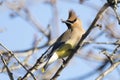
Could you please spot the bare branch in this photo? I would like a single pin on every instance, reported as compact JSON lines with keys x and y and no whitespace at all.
{"x":10,"y":52}
{"x":113,"y":66}
{"x":10,"y":74}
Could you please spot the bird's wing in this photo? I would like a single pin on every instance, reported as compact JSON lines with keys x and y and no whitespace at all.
{"x":59,"y":42}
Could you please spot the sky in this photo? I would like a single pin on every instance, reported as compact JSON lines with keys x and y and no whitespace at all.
{"x":18,"y":33}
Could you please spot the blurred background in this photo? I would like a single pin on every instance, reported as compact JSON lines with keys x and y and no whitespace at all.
{"x":29,"y":27}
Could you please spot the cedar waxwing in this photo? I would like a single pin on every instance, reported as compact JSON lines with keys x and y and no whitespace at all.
{"x":65,"y":43}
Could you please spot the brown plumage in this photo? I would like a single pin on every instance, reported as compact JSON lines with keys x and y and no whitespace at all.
{"x":67,"y":41}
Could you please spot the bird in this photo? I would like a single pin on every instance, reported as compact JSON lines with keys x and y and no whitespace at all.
{"x":64,"y":45}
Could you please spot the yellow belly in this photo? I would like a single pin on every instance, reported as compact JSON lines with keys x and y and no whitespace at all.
{"x":64,"y":50}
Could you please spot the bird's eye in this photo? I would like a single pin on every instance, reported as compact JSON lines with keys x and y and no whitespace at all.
{"x":72,"y":21}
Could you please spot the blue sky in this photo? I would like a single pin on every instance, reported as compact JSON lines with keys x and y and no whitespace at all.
{"x":18,"y":34}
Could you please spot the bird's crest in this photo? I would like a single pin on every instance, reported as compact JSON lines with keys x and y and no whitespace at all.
{"x":72,"y":16}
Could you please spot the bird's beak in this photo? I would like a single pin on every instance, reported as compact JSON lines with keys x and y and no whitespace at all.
{"x":65,"y":21}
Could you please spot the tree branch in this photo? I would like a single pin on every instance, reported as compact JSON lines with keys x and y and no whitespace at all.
{"x":108,"y":70}
{"x":10,"y":74}
{"x":11,"y":53}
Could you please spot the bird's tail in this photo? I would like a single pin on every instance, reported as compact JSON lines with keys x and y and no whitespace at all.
{"x":43,"y":66}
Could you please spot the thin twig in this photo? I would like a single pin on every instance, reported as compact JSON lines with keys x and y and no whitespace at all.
{"x":33,"y":69}
{"x":36,"y":65}
{"x":92,"y":42}
{"x":110,"y":57}
{"x":31,"y":18}
{"x":10,"y":74}
{"x":114,"y":5}
{"x":108,"y":71}
{"x":117,"y":15}
{"x":10,"y":52}
{"x":116,"y":49}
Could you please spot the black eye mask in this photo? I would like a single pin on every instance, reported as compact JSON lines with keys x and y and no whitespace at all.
{"x":72,"y":21}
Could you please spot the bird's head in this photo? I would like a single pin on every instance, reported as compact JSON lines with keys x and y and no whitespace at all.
{"x":72,"y":21}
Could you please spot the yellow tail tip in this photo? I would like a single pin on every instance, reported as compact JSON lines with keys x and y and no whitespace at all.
{"x":43,"y":70}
